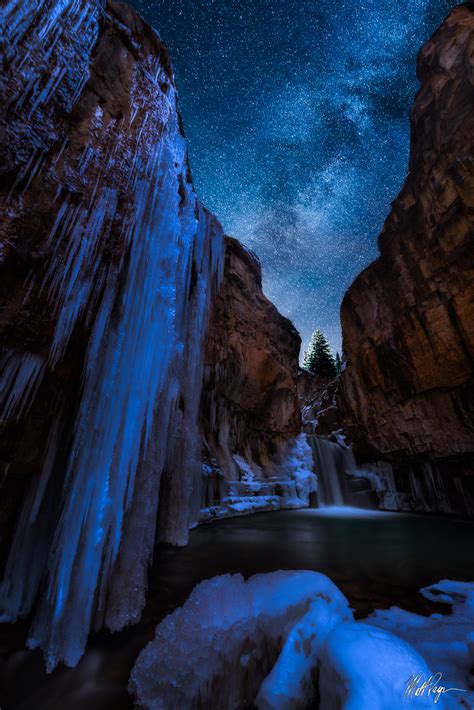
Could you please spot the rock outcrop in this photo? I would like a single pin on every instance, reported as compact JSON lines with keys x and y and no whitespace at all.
{"x":408,"y":320}
{"x":250,"y":405}
{"x":250,"y":414}
{"x":317,"y":397}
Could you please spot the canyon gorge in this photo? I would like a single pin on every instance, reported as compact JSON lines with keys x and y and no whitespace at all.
{"x":147,"y":384}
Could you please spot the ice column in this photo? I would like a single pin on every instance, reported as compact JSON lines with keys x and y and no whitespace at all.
{"x":146,"y":308}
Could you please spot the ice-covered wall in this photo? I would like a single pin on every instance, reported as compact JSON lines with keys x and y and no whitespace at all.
{"x":286,"y":483}
{"x":110,"y":265}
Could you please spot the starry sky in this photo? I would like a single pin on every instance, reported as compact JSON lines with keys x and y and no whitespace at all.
{"x":296,"y":115}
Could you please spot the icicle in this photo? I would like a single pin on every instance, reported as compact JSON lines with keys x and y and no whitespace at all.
{"x":129,"y":395}
{"x":75,"y":275}
{"x":147,"y":307}
{"x":48,"y":48}
{"x":20,"y":376}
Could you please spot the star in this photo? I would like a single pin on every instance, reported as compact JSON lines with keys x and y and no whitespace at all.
{"x":296,"y":114}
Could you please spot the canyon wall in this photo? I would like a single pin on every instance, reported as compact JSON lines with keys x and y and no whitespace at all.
{"x":249,"y":404}
{"x":253,"y":458}
{"x":406,"y":394}
{"x":109,"y":264}
{"x":110,"y":271}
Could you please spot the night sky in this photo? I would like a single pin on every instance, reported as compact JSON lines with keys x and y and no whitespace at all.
{"x":296,"y":114}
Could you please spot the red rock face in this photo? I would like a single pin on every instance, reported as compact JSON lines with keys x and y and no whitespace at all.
{"x":249,"y":403}
{"x":408,"y":319}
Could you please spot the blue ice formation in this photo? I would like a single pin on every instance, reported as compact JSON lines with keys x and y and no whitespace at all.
{"x":146,"y":306}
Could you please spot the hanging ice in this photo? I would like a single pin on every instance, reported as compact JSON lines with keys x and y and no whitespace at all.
{"x":145,"y":302}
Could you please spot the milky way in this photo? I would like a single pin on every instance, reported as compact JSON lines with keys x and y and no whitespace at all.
{"x":296,"y":115}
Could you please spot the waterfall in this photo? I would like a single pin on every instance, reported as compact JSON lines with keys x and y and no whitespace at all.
{"x":331,"y":462}
{"x":136,"y":263}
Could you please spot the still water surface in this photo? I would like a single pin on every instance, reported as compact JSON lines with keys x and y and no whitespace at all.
{"x":377,"y":559}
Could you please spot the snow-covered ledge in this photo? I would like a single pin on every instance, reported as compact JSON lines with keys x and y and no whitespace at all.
{"x":290,"y":485}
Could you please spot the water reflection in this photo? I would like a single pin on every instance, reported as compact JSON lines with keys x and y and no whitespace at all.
{"x":377,"y":559}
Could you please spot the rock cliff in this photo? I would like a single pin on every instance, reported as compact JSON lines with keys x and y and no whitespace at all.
{"x":250,"y":414}
{"x":109,"y":266}
{"x":250,"y":404}
{"x":110,"y":269}
{"x":408,"y":320}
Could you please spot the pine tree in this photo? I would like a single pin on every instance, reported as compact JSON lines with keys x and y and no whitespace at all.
{"x":338,"y":364}
{"x":318,"y":358}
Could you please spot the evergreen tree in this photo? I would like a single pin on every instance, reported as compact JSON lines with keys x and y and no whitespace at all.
{"x":338,"y":364}
{"x":318,"y":358}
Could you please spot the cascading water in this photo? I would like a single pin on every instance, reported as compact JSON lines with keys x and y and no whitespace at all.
{"x":332,"y":462}
{"x":146,"y":307}
{"x":373,"y":485}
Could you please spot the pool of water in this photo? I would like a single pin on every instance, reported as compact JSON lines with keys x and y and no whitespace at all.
{"x":377,"y":559}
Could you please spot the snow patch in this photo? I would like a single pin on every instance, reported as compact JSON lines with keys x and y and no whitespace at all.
{"x":289,"y":487}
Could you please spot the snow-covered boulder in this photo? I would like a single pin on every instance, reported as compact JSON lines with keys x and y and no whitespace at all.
{"x":217,"y":649}
{"x":364,"y":667}
{"x":288,"y":641}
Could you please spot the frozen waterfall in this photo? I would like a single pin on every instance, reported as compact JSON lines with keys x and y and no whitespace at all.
{"x":87,"y":543}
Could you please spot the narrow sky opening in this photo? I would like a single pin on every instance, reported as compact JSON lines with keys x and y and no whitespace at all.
{"x":296,"y":114}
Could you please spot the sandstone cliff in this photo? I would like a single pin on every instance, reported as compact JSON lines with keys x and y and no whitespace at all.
{"x":249,"y":402}
{"x":250,"y":414}
{"x":408,"y":320}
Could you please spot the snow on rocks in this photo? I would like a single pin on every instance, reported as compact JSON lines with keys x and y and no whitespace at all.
{"x":288,"y":641}
{"x":291,"y":682}
{"x":364,"y":667}
{"x":446,"y":642}
{"x":216,"y":650}
{"x":289,"y":487}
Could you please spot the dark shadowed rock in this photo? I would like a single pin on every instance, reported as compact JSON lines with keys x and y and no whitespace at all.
{"x":250,"y":405}
{"x":408,"y":319}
